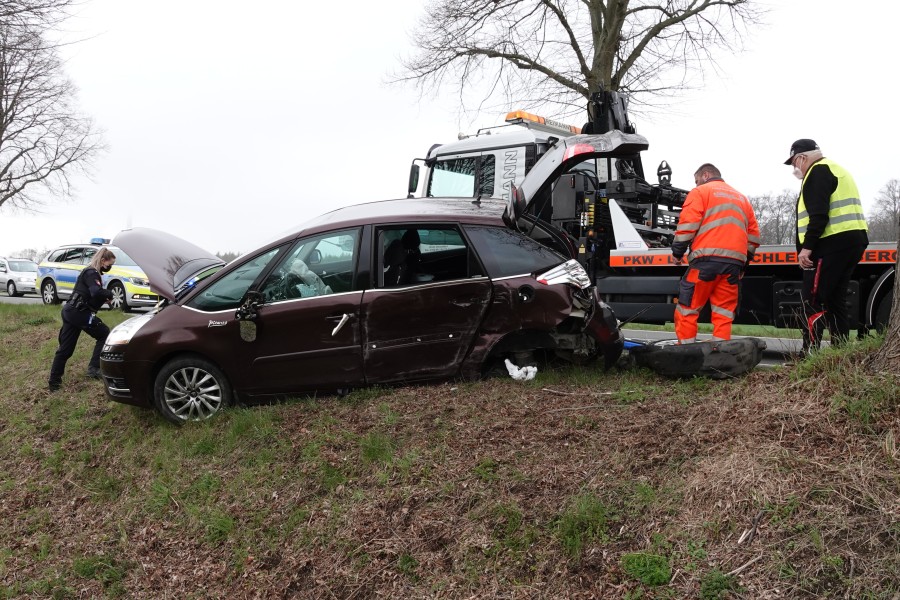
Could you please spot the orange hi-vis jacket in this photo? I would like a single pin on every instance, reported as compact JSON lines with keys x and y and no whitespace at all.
{"x":716,"y":222}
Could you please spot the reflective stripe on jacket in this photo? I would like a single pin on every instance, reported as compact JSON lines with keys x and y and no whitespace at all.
{"x":716,"y":221}
{"x":845,"y":212}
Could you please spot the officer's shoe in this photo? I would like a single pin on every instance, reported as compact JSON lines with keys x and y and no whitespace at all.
{"x":94,"y":373}
{"x":54,"y":386}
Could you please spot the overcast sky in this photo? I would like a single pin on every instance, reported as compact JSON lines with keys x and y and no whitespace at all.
{"x":227,"y":124}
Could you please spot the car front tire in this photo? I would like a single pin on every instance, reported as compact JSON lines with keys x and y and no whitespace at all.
{"x":48,"y":292}
{"x":119,"y":297}
{"x":191,"y":388}
{"x":11,"y":289}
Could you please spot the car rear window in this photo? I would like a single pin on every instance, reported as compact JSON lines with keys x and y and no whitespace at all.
{"x":505,"y":252}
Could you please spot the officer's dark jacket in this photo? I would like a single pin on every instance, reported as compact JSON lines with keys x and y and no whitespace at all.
{"x":89,"y":290}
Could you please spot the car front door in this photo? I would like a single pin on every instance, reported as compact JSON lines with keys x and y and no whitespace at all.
{"x":420,"y":324}
{"x":308,"y":331}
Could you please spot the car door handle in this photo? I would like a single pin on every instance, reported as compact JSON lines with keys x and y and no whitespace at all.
{"x":341,"y":323}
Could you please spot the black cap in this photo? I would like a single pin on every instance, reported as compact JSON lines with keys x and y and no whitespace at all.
{"x":799,"y":146}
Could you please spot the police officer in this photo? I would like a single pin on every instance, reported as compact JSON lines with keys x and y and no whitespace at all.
{"x":80,"y":314}
{"x":717,"y":223}
{"x":831,"y":239}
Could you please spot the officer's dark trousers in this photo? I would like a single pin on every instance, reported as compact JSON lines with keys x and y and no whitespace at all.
{"x":824,"y":295}
{"x":74,"y":322}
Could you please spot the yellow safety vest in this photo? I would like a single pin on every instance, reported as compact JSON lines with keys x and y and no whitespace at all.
{"x":845,"y":212}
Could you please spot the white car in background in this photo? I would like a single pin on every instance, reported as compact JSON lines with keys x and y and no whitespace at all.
{"x":18,"y":276}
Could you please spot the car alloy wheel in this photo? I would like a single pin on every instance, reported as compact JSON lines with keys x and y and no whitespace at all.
{"x":191,"y":389}
{"x":119,"y":299}
{"x":11,"y":289}
{"x":48,"y":293}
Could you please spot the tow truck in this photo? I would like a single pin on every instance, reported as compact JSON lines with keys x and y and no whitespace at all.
{"x":623,"y":225}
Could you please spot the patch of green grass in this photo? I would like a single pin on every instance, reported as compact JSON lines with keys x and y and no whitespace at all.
{"x":330,"y":477}
{"x":407,"y":565}
{"x":388,"y":415}
{"x":511,"y":532}
{"x":376,"y":447}
{"x":585,"y":521}
{"x":782,"y":512}
{"x":160,"y":496}
{"x":649,"y":569}
{"x":217,"y":524}
{"x":716,"y":585}
{"x":104,"y":568}
{"x":486,"y":469}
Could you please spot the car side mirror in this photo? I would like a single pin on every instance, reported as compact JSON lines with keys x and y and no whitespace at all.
{"x":2,"y":269}
{"x":246,"y":315}
{"x":314,"y":258}
{"x":413,"y":180}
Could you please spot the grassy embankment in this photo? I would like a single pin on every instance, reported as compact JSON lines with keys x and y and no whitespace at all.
{"x":579,"y":483}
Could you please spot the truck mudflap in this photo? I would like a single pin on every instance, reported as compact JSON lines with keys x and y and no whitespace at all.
{"x":601,"y":324}
{"x":713,"y":359}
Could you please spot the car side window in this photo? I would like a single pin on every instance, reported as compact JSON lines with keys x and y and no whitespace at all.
{"x":88,"y":255}
{"x":417,"y":254}
{"x":316,"y":266}
{"x":505,"y":252}
{"x":71,"y":256}
{"x":227,"y":292}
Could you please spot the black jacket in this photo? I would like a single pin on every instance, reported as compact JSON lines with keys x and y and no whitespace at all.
{"x":89,"y":289}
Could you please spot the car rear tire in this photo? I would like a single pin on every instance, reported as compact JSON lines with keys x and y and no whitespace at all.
{"x":48,"y":292}
{"x":119,"y":298}
{"x":11,"y":289}
{"x":713,"y":359}
{"x":190,"y":388}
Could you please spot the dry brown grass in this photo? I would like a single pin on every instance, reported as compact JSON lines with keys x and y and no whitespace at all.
{"x":456,"y":491}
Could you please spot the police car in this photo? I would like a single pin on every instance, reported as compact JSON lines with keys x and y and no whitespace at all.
{"x":57,"y":273}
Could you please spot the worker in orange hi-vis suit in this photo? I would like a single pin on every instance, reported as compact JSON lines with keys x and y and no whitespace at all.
{"x":718,"y":224}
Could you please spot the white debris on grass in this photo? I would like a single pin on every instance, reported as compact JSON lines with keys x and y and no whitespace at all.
{"x":520,"y":373}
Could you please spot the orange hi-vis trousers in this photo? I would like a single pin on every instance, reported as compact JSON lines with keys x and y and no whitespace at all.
{"x":708,"y":281}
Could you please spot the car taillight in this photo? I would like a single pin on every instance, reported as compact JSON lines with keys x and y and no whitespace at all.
{"x":570,"y":272}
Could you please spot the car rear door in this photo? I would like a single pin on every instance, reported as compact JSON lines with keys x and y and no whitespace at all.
{"x":423,"y":327}
{"x":65,"y":272}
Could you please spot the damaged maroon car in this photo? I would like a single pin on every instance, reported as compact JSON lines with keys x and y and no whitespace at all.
{"x":387,"y":292}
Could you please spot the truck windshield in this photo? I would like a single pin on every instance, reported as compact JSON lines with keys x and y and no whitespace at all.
{"x":457,"y":176}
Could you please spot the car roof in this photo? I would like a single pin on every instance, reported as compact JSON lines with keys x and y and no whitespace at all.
{"x":486,"y":211}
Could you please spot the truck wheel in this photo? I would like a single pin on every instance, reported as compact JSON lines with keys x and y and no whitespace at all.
{"x":716,"y":360}
{"x":883,"y":314}
{"x":48,"y":292}
{"x":190,"y":388}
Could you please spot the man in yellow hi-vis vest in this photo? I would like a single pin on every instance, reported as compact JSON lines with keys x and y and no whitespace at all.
{"x":831,"y":238}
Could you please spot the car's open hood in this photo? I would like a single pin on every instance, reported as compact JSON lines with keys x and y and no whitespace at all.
{"x":167,"y":260}
{"x":564,"y":155}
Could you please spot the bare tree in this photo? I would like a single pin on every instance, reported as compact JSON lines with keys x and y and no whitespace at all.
{"x":777,"y":217}
{"x":559,"y":52}
{"x":43,"y":139}
{"x":885,"y":217}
